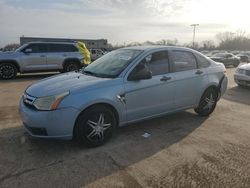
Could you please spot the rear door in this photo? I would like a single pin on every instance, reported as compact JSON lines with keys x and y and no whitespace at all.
{"x":189,"y":79}
{"x":35,"y":59}
{"x":56,"y":55}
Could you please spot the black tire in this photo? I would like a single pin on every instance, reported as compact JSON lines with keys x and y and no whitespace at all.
{"x":71,"y":66}
{"x":8,"y":71}
{"x":90,"y":125}
{"x":207,"y":102}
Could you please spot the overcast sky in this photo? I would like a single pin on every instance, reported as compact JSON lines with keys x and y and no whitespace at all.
{"x":121,"y":21}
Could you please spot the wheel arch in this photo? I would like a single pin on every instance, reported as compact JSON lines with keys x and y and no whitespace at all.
{"x":212,"y":86}
{"x":105,"y":104}
{"x":12,"y":62}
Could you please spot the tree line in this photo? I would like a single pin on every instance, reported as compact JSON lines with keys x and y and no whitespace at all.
{"x":238,"y":40}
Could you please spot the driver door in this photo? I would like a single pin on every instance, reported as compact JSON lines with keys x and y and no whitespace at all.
{"x":150,"y":97}
{"x":34,"y":58}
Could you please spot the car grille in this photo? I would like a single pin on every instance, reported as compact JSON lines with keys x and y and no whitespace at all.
{"x":29,"y":100}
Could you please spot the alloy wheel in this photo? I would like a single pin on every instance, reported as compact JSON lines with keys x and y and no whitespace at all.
{"x":210,"y":101}
{"x":98,"y":127}
{"x":7,"y":71}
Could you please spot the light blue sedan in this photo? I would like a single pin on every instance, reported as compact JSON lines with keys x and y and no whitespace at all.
{"x":124,"y":86}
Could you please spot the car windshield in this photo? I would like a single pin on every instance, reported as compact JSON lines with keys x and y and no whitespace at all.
{"x":111,"y":64}
{"x":20,"y":48}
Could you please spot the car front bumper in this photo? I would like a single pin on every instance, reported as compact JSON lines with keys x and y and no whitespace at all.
{"x":49,"y":124}
{"x":242,"y":79}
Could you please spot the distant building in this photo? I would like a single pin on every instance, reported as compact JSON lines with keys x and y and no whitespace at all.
{"x":90,"y":43}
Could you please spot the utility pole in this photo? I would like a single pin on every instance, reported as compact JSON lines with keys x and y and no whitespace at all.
{"x":194,"y":25}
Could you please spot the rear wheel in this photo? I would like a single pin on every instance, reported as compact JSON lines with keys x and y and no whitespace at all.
{"x":95,"y":126}
{"x":71,"y":66}
{"x":8,"y":71}
{"x":208,"y":102}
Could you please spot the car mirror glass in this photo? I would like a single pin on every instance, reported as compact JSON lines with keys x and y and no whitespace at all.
{"x":28,"y":50}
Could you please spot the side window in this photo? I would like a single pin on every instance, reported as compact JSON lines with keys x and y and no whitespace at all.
{"x":56,"y":48}
{"x":69,"y":48}
{"x":37,"y":48}
{"x":183,"y":61}
{"x":202,"y":61}
{"x":159,"y":63}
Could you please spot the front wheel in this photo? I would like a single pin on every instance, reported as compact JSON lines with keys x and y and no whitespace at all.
{"x":95,"y":126}
{"x":7,"y":71}
{"x":207,"y":102}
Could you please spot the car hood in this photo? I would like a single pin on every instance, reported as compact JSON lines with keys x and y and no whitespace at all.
{"x":245,"y":67}
{"x":72,"y":82}
{"x":8,"y":54}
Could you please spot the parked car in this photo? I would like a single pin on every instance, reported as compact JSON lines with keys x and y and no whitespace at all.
{"x":226,"y":58}
{"x":124,"y":86}
{"x":243,"y":58}
{"x":212,"y":53}
{"x":96,"y":53}
{"x":40,"y":56}
{"x":242,"y":75}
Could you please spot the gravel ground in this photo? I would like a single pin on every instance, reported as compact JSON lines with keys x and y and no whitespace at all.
{"x":184,"y":150}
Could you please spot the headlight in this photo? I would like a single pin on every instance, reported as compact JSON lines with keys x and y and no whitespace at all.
{"x":50,"y":102}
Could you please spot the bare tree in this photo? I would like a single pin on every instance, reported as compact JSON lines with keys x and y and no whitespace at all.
{"x":234,"y":41}
{"x":207,"y":45}
{"x":11,"y":47}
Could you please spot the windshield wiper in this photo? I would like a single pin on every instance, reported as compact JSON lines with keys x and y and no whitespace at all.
{"x":88,"y":73}
{"x":97,"y":75}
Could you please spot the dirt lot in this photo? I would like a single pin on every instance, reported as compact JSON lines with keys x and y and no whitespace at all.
{"x":184,"y":150}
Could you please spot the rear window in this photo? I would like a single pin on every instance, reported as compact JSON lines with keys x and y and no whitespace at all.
{"x":203,"y":62}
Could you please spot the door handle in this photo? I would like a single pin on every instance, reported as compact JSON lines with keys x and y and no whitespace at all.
{"x":198,"y":72}
{"x":165,"y":78}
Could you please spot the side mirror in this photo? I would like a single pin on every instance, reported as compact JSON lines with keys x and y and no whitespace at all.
{"x":148,"y":58}
{"x":143,"y":74}
{"x":28,"y":50}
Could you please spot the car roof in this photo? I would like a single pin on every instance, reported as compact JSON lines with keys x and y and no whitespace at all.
{"x":36,"y":42}
{"x":149,"y":48}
